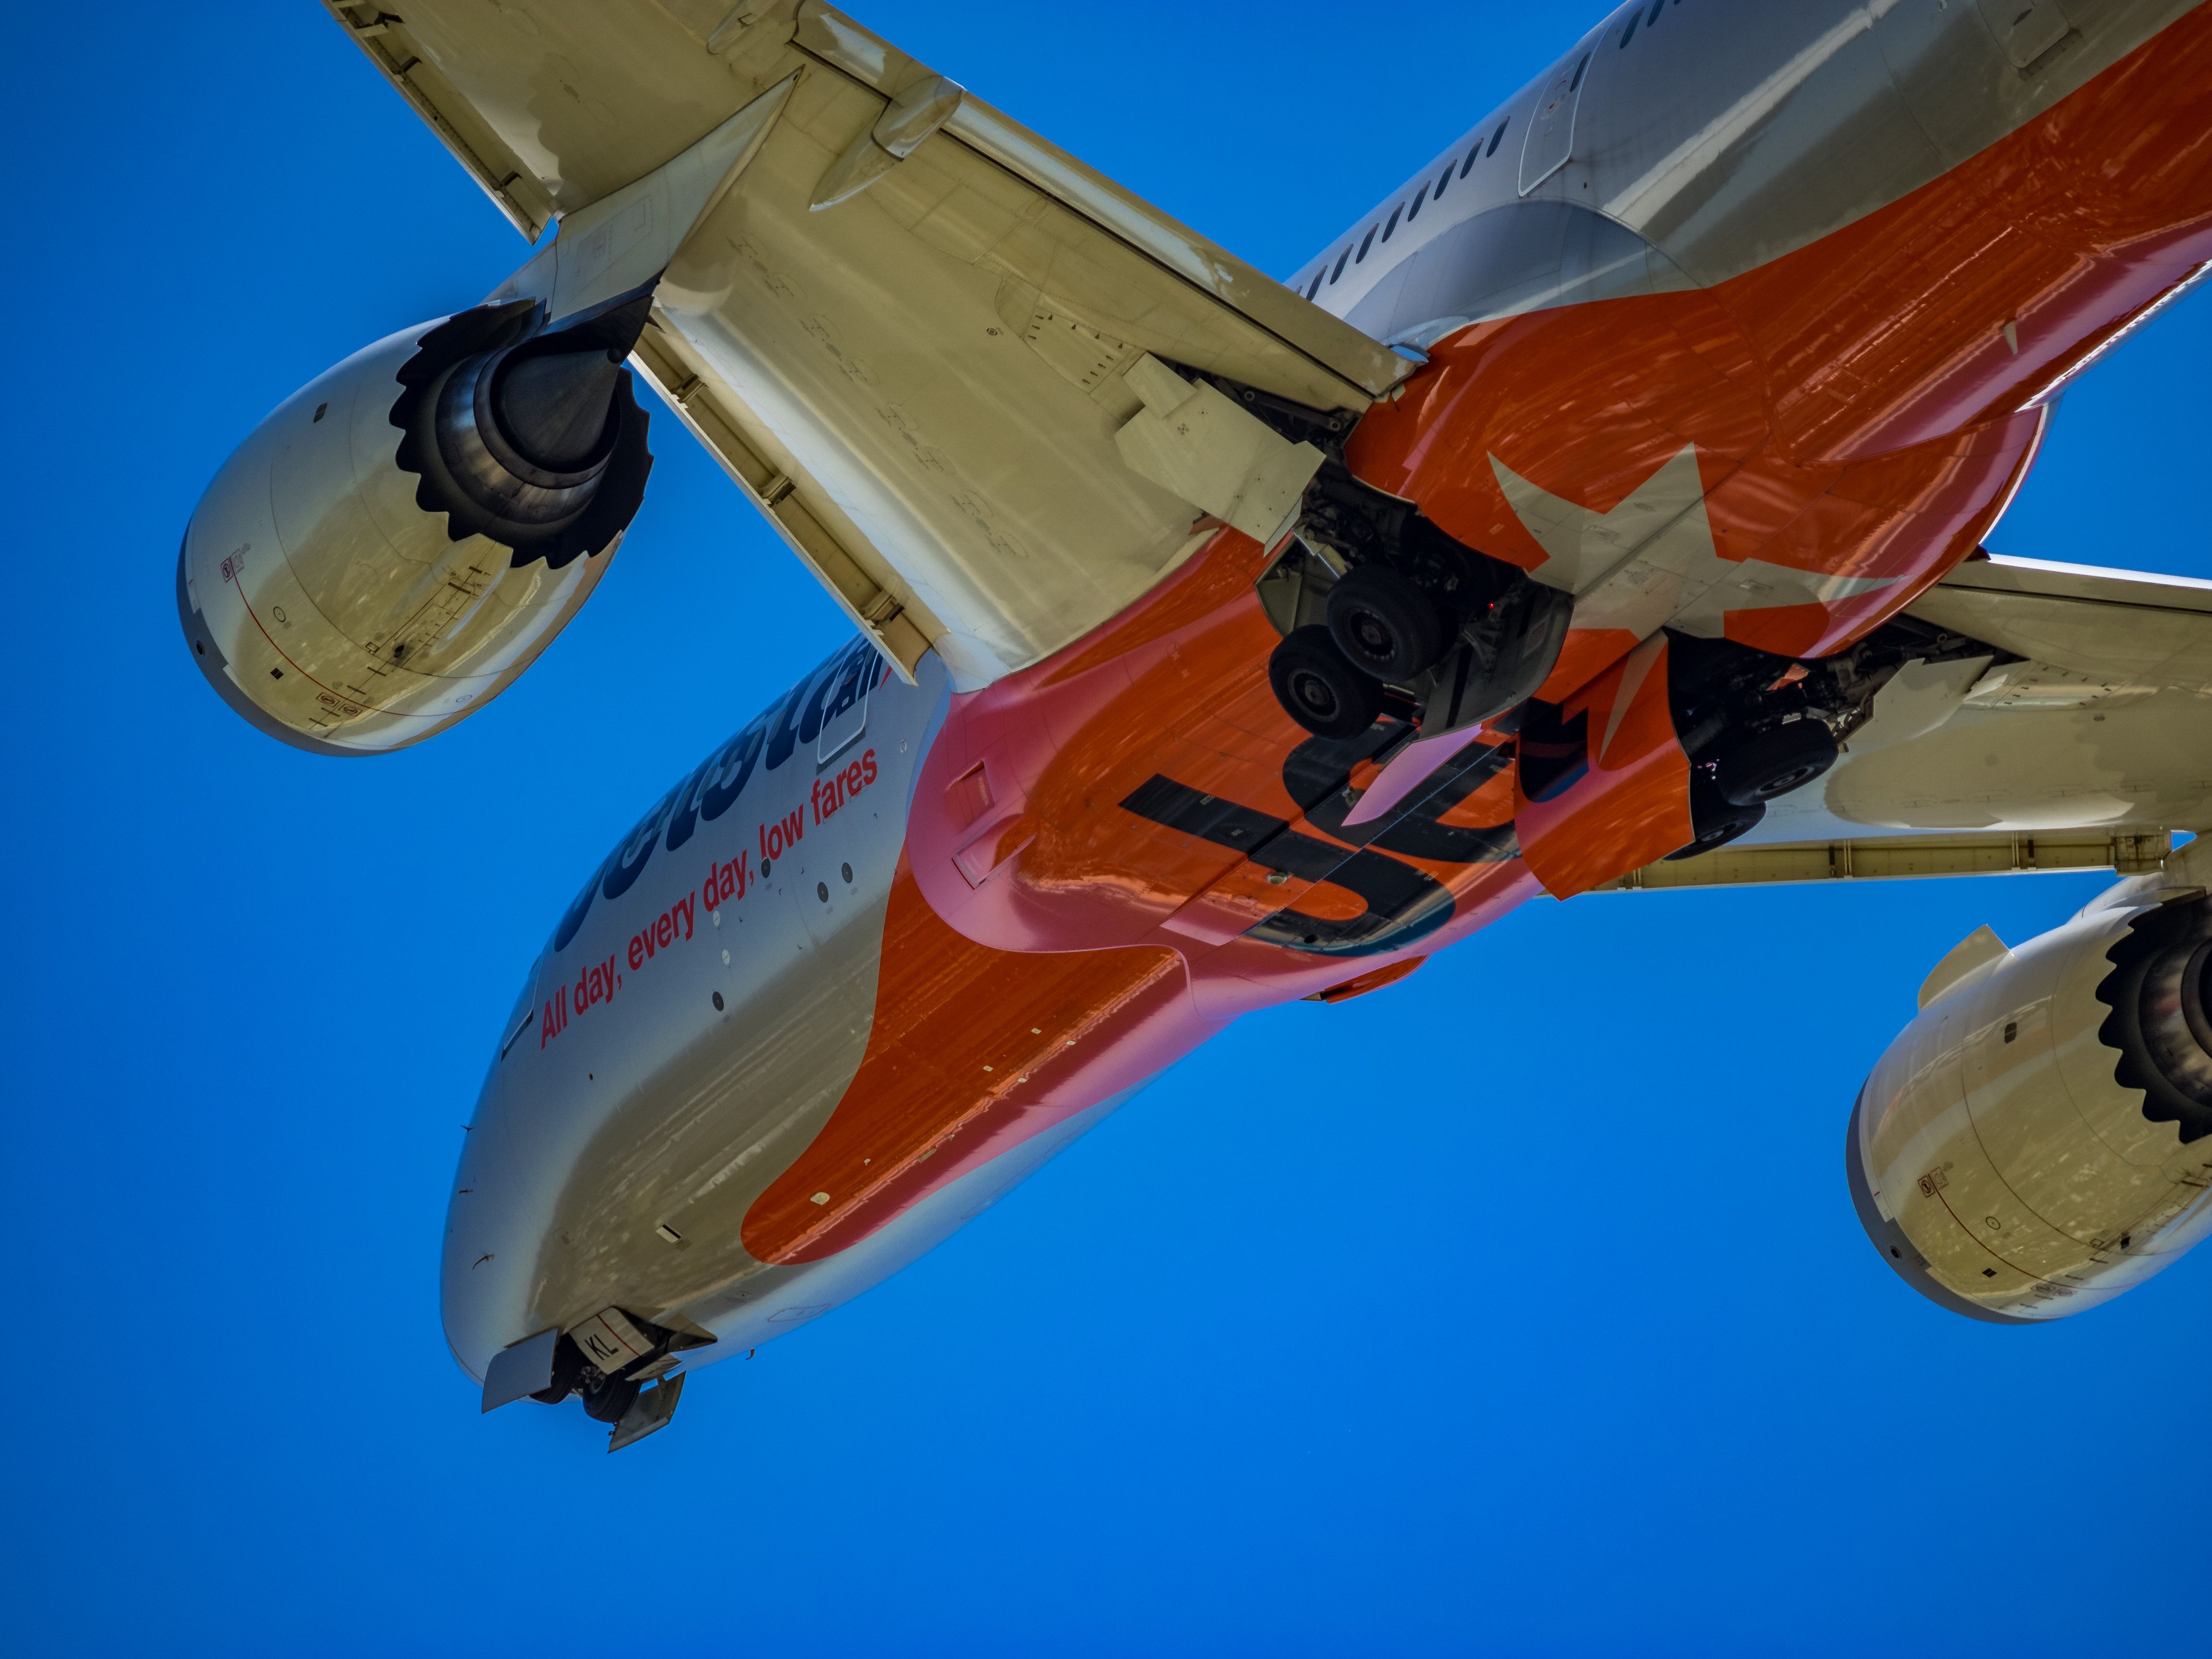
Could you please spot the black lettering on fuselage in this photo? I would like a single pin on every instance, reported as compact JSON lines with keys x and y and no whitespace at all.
{"x":1403,"y":903}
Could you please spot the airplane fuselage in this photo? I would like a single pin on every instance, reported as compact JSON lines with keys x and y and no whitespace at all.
{"x":1784,"y":293}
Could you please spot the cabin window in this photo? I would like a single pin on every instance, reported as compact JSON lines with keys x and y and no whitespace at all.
{"x":1315,"y":288}
{"x":1393,"y":225}
{"x":1497,"y":135}
{"x":1443,"y":181}
{"x":1471,"y":157}
{"x":1414,"y":211}
{"x":1576,"y":85}
{"x":1366,"y":242}
{"x":1629,"y":33}
{"x":1340,"y":258}
{"x":1657,"y":6}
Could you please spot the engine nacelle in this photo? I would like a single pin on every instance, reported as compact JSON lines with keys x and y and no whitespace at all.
{"x":399,"y":541}
{"x":2039,"y":1139}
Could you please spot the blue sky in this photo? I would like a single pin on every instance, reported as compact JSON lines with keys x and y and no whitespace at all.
{"x":1519,"y":1310}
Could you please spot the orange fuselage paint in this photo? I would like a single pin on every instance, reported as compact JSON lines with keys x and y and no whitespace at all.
{"x":1863,"y":407}
{"x":1076,"y":912}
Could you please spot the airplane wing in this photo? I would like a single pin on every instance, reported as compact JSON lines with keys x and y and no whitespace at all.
{"x":2081,"y":741}
{"x":911,"y":329}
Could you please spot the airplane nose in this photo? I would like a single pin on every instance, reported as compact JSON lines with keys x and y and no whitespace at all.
{"x":493,"y":1225}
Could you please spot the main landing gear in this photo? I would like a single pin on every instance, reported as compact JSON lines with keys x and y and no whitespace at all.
{"x":1382,"y":612}
{"x":1758,"y":726}
{"x":1386,"y":625}
{"x":1320,"y":687}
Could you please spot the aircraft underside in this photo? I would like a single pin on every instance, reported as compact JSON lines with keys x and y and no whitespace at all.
{"x":1603,"y":512}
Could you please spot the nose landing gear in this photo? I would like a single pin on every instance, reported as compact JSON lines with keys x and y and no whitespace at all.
{"x":607,"y":1399}
{"x":607,"y":1359}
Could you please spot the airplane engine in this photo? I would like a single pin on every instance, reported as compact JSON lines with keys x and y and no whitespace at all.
{"x":399,"y":540}
{"x":2039,"y":1139}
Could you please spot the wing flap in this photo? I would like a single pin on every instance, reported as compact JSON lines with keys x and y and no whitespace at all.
{"x":1904,"y":857}
{"x":964,"y":471}
{"x":878,"y":603}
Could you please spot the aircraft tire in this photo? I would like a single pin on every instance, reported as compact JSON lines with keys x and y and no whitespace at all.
{"x":1319,"y":687}
{"x":1385,"y":625}
{"x":567,"y":1371}
{"x":1773,"y":762}
{"x":607,"y":1402}
{"x":1716,"y":819}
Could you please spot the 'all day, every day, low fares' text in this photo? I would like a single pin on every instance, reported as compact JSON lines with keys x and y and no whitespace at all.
{"x":726,"y":882}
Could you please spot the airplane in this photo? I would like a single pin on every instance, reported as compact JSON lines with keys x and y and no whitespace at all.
{"x":1603,"y":512}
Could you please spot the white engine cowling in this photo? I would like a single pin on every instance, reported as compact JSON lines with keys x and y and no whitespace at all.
{"x":2039,"y":1139}
{"x":399,"y":540}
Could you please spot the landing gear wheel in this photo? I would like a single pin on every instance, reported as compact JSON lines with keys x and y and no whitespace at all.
{"x":1773,"y":762}
{"x":1385,"y":624}
{"x":567,"y":1371}
{"x":1319,"y":688}
{"x":1716,"y":820}
{"x":606,"y":1402}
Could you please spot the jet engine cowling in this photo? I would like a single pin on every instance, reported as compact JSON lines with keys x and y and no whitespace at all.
{"x":399,"y":540}
{"x":2039,"y":1139}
